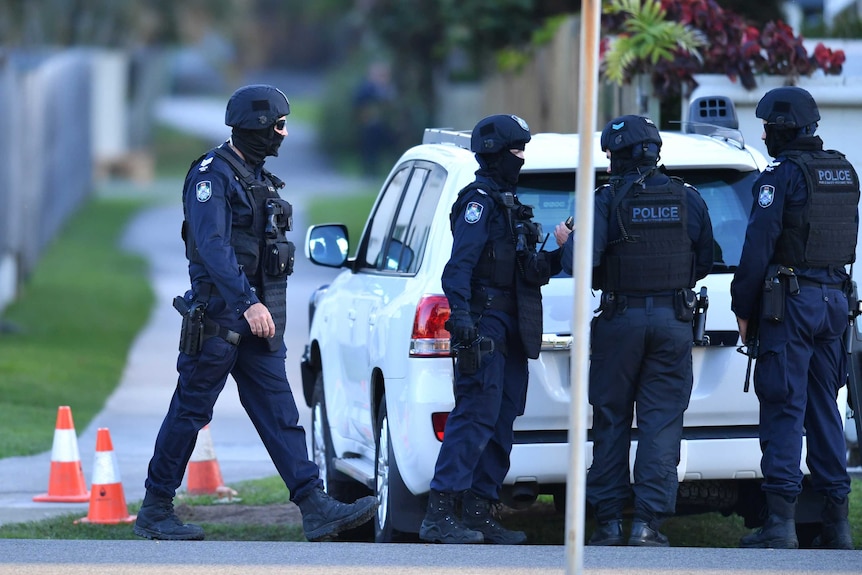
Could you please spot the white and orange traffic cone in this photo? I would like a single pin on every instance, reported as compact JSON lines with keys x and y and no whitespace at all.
{"x":203,"y":473}
{"x":66,"y":483}
{"x":107,"y":500}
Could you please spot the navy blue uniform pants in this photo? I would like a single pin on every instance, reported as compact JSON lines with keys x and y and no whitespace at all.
{"x":640,"y":356}
{"x":479,"y":436}
{"x":264,"y":392}
{"x":801,"y":367}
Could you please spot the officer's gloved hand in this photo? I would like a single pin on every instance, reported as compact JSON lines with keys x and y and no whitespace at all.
{"x":461,"y":327}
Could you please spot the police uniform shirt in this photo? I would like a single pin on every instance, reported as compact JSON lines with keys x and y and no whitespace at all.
{"x":478,"y":221}
{"x":782,"y":185}
{"x":214,"y":201}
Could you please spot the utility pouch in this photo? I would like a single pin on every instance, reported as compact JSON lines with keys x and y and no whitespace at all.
{"x":470,"y":358}
{"x":684,"y":302}
{"x":279,"y":258}
{"x":772,"y":299}
{"x":192,"y":332}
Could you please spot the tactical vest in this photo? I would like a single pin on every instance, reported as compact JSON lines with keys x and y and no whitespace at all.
{"x":822,"y":233}
{"x":501,"y":266}
{"x":497,"y":264}
{"x":655,"y":252}
{"x":262,"y":250}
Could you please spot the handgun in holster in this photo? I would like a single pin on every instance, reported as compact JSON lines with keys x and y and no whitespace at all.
{"x":192,"y":332}
{"x":469,"y":357}
{"x":699,"y":324}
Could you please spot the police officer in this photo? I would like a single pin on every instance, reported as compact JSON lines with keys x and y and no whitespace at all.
{"x":492,"y":282}
{"x":801,"y":234}
{"x":234,"y":320}
{"x":652,"y":242}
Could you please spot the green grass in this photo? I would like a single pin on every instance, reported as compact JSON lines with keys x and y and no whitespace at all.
{"x":349,"y":210}
{"x":67,"y":334}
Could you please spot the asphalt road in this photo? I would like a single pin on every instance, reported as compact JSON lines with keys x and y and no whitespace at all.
{"x":212,"y":558}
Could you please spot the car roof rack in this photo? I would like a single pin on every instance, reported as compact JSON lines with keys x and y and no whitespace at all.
{"x":460,"y":138}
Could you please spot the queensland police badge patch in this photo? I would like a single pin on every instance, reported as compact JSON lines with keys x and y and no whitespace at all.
{"x":765,"y":196}
{"x":204,"y":190}
{"x":473,"y":213}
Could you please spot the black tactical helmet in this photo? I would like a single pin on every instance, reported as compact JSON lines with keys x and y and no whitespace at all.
{"x":256,"y":106}
{"x":788,"y":107}
{"x":626,"y":131}
{"x":499,"y":132}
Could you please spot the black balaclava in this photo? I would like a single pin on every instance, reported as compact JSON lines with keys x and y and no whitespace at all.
{"x":503,"y":167}
{"x":778,"y":138}
{"x":256,"y":145}
{"x":640,"y":157}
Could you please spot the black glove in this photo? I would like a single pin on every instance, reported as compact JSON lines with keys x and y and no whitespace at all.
{"x":461,"y":327}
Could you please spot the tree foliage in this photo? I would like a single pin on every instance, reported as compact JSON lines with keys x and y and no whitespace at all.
{"x":732,"y":46}
{"x":646,"y":37}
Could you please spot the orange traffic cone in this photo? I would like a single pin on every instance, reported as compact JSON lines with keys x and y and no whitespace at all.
{"x":107,"y":501}
{"x":204,"y":474}
{"x":66,"y":483}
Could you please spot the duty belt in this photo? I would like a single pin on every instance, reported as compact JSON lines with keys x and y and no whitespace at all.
{"x":808,"y":282}
{"x":663,"y":300}
{"x":502,"y":302}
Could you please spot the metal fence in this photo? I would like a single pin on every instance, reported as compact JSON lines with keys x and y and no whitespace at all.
{"x":46,"y":165}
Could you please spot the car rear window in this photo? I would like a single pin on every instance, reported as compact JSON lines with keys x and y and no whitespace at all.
{"x":727,"y":194}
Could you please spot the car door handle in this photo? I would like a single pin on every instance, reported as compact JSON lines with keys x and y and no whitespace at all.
{"x":351,"y":314}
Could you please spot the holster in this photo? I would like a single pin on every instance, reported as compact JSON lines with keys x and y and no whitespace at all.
{"x":197,"y":328}
{"x":684,"y":302}
{"x":608,"y":304}
{"x":469,"y":358}
{"x":775,"y":290}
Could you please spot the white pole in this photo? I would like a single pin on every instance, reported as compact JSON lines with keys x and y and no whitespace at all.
{"x":583,"y":267}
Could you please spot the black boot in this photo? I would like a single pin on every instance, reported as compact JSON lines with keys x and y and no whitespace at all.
{"x":441,"y":525}
{"x":643,"y":535}
{"x":779,"y":531}
{"x":157,"y":520}
{"x":324,"y":518}
{"x":836,"y":527}
{"x":478,"y":517}
{"x":608,"y":533}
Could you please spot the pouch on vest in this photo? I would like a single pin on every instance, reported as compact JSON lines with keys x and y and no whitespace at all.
{"x":279,"y":258}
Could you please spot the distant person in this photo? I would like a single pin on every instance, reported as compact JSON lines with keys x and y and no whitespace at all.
{"x":372,"y":104}
{"x":652,"y":241}
{"x":493,"y":283}
{"x":801,"y":236}
{"x":234,"y":318}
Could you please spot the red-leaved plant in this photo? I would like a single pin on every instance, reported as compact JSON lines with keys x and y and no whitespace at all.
{"x":730,"y":46}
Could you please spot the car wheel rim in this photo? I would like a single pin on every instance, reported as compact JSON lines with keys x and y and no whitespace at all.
{"x":318,"y":445}
{"x":383,"y":473}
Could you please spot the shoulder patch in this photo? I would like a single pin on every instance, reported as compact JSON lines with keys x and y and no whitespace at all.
{"x":473,"y":212}
{"x":205,"y":165}
{"x":204,"y":190}
{"x":765,"y":196}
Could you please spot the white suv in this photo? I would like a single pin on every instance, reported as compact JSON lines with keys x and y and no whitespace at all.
{"x":377,"y":371}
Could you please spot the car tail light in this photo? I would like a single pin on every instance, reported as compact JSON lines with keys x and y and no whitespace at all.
{"x":429,"y":337}
{"x":438,"y":422}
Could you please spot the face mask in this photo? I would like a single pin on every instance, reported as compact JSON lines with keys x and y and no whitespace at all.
{"x":509,"y":167}
{"x":777,"y":139}
{"x":256,"y":145}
